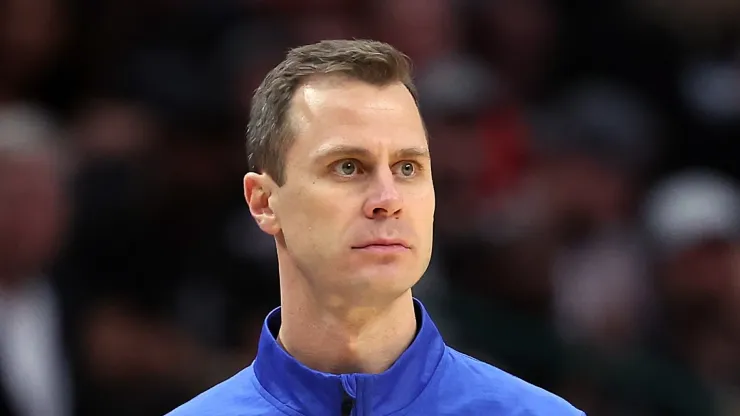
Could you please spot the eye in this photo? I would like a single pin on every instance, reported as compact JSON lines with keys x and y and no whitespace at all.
{"x":347,"y":168}
{"x":407,"y":169}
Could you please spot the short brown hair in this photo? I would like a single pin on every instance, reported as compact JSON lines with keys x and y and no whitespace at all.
{"x":268,"y":133}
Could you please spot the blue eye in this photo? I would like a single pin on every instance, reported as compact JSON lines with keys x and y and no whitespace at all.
{"x":408,"y":169}
{"x":347,"y":168}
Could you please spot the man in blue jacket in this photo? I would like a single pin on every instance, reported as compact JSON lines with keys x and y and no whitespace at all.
{"x":341,"y":177}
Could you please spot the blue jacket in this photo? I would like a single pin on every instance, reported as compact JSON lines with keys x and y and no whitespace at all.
{"x":428,"y":379}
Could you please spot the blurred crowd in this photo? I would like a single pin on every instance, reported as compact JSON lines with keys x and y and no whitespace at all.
{"x":585,"y":159}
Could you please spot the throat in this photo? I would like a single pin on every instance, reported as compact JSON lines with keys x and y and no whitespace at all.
{"x":331,"y":345}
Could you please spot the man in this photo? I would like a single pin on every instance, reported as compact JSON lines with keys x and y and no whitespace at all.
{"x":37,"y":371}
{"x":341,"y":177}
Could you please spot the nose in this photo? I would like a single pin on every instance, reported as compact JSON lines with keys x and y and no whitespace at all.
{"x":384,"y":199}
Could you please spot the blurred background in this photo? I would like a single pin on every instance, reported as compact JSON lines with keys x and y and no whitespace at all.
{"x":588,"y":226}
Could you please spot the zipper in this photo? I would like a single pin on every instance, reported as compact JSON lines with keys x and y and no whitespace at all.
{"x":348,"y":403}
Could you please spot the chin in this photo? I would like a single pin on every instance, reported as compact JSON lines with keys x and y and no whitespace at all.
{"x":392,"y":276}
{"x":372,"y":294}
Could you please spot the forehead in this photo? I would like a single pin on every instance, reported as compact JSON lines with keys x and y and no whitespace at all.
{"x":348,"y":112}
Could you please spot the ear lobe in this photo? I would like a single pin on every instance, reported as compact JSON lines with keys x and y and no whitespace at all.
{"x":258,"y":194}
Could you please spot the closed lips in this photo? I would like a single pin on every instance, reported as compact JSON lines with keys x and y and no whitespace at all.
{"x":383,"y":243}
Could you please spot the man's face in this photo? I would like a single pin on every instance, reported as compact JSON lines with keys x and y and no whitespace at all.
{"x":356,"y":212}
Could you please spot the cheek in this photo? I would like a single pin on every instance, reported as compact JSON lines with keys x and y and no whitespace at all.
{"x":421,"y":206}
{"x":422,"y":201}
{"x":313,"y":218}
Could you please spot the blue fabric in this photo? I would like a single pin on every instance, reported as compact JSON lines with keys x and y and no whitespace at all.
{"x":428,"y":379}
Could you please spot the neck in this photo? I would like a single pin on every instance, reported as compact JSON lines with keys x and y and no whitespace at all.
{"x":341,"y":340}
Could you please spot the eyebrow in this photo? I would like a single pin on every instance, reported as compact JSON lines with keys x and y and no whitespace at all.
{"x":331,"y":151}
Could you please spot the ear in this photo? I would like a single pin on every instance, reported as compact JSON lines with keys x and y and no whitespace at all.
{"x":258,"y":192}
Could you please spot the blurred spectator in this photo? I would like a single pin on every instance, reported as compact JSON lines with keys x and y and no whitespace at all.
{"x":693,"y":221}
{"x":35,"y":346}
{"x":594,"y":163}
{"x":171,"y":303}
{"x":453,"y":92}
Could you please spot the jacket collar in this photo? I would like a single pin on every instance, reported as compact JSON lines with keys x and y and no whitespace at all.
{"x":309,"y":391}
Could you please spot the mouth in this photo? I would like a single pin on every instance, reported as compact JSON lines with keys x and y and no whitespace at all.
{"x":384,"y":246}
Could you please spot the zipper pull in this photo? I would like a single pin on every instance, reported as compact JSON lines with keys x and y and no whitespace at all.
{"x":348,"y":404}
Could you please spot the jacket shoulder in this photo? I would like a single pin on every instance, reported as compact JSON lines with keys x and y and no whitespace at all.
{"x":490,"y":387}
{"x":236,"y":396}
